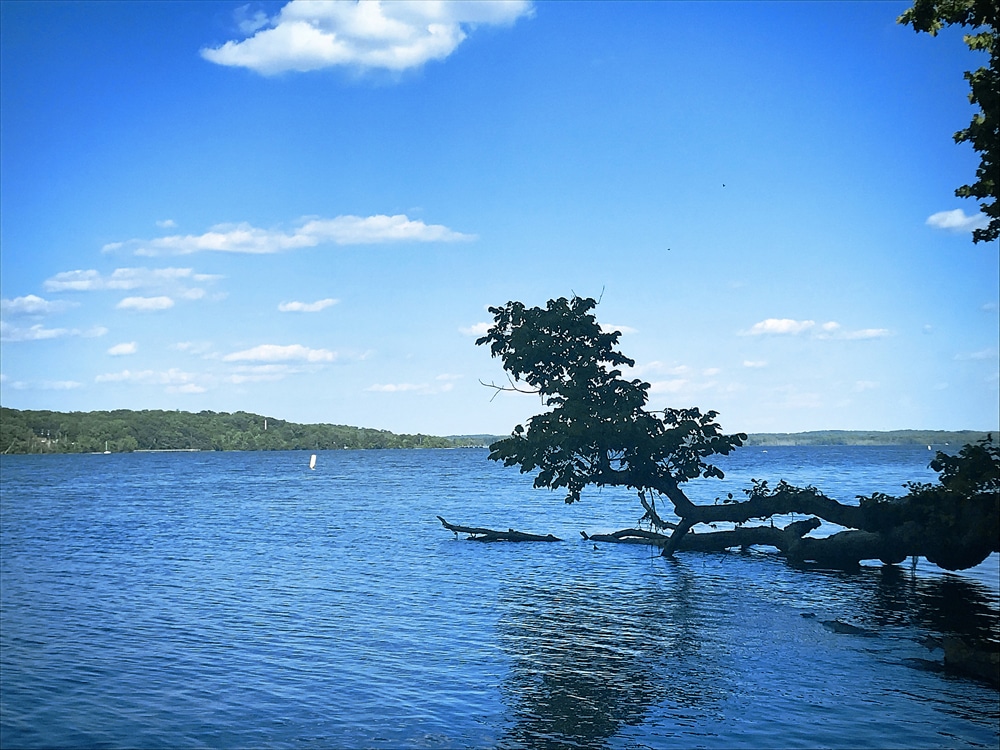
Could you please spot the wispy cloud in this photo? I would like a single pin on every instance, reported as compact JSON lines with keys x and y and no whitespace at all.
{"x":957,"y":221}
{"x":127,"y":279}
{"x":829,"y":330}
{"x":442,"y":384}
{"x":780,"y":327}
{"x":175,"y":380}
{"x":754,"y":363}
{"x":42,"y":385}
{"x":39,"y":332}
{"x":667,"y":386}
{"x":309,"y":307}
{"x":864,"y":333}
{"x":279,"y":353}
{"x":145,"y":304}
{"x":661,"y":368}
{"x":476,"y":329}
{"x":32,"y":305}
{"x":261,"y":373}
{"x":310,"y":232}
{"x":393,"y":36}
{"x":201,"y":348}
{"x":125,"y":348}
{"x":987,"y":353}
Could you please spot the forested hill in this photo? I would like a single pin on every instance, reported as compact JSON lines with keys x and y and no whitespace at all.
{"x":935,"y":438}
{"x":125,"y":430}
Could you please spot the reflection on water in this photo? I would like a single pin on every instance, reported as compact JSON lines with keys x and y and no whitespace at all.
{"x":714,"y":650}
{"x":583,"y":664}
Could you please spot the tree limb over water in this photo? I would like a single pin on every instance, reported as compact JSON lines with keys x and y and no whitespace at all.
{"x":598,"y":432}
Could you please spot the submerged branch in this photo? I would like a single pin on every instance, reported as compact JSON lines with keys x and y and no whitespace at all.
{"x":491,"y":535}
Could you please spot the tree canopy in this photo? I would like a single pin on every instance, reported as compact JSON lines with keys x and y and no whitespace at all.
{"x":598,"y":431}
{"x":983,"y":18}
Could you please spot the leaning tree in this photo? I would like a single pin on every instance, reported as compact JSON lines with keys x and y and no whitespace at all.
{"x":597,"y":431}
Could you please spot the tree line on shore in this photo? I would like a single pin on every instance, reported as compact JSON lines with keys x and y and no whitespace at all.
{"x":936,"y":438}
{"x":124,"y":430}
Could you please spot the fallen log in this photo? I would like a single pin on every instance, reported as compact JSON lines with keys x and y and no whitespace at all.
{"x":477,"y":534}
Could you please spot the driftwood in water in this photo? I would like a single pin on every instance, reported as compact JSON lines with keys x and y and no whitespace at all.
{"x":492,"y":535}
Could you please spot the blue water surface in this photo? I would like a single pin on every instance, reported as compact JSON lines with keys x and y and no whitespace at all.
{"x":241,"y":600}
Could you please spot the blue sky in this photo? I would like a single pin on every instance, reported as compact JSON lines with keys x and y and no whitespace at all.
{"x":304,"y":210}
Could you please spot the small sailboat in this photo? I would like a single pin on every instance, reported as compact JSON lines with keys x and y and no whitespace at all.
{"x":106,"y":451}
{"x":312,"y":461}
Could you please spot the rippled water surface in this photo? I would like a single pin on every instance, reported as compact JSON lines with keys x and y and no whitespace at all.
{"x":240,"y":600}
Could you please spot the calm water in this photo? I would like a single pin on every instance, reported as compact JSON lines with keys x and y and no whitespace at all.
{"x":240,"y":600}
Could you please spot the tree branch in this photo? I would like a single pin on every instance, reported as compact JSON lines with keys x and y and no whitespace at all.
{"x":491,"y":535}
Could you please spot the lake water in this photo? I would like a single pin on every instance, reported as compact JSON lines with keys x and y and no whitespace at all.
{"x":240,"y":600}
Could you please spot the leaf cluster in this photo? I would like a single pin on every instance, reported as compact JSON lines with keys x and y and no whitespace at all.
{"x":983,"y":133}
{"x":597,"y":430}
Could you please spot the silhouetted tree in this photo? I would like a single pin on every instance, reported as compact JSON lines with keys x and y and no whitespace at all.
{"x":598,"y":431}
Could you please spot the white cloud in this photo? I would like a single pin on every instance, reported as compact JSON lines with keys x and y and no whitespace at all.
{"x":667,"y":386}
{"x":172,"y":377}
{"x":32,"y":305}
{"x":307,"y":35}
{"x":186,"y":388}
{"x":42,"y":385}
{"x":145,"y":304}
{"x":261,"y":373}
{"x":316,"y":306}
{"x":780,"y":326}
{"x":829,"y":330}
{"x":865,"y":333}
{"x":624,"y":330}
{"x":193,"y":347}
{"x":118,"y":350}
{"x":397,"y":387}
{"x":39,"y":332}
{"x":277,"y":353}
{"x":988,"y":353}
{"x":957,"y":221}
{"x":445,"y":383}
{"x":311,"y":231}
{"x":865,"y":385}
{"x":126,"y":279}
{"x":661,"y":368}
{"x":754,"y":363}
{"x":166,"y":224}
{"x":477,"y":329}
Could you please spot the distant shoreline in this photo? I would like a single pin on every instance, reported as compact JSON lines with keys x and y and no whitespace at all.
{"x":933,"y":438}
{"x":128,"y":431}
